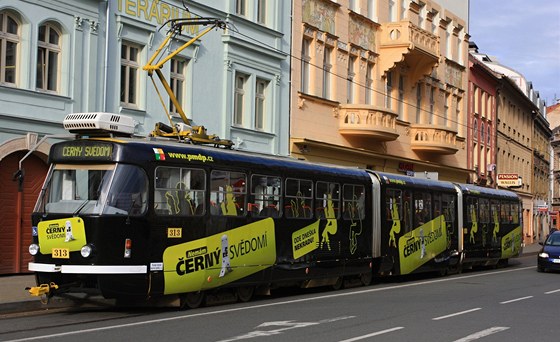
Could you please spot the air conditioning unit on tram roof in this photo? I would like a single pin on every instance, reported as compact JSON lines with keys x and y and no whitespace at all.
{"x":99,"y":122}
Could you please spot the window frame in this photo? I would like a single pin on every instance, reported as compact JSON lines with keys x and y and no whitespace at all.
{"x":299,"y":198}
{"x":268,"y":204}
{"x":320,"y":201}
{"x":177,"y":79}
{"x":44,"y":74}
{"x":239,"y":193}
{"x":130,"y":65}
{"x":196,"y":197}
{"x":7,"y":38}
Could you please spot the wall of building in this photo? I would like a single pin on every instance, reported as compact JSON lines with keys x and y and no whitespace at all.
{"x":87,"y":67}
{"x":356,"y":85}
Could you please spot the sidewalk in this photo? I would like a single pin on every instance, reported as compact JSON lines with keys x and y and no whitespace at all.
{"x":14,"y":297}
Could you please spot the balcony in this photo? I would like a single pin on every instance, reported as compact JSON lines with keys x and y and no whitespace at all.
{"x":405,"y":42}
{"x":367,"y":121}
{"x":439,"y":140}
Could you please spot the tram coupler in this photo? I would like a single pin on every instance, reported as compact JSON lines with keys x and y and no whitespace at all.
{"x":45,"y":291}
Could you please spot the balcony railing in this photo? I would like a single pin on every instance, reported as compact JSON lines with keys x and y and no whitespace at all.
{"x":433,"y":139}
{"x":368,"y":121}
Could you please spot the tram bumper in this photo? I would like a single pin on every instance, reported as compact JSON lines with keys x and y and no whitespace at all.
{"x":111,"y":281}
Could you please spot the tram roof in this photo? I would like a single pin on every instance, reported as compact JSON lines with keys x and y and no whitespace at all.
{"x":140,"y":151}
{"x":390,"y":178}
{"x":480,"y":190}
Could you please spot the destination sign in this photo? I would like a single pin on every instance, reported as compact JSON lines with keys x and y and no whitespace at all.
{"x":80,"y":150}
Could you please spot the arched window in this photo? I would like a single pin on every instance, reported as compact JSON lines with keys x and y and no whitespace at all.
{"x":48,"y":57}
{"x":9,"y":41}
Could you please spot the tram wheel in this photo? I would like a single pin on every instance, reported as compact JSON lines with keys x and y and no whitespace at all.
{"x":192,"y":300}
{"x":366,"y":278}
{"x":339,"y":284}
{"x":245,"y":293}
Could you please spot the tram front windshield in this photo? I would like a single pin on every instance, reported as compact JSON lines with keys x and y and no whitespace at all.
{"x":109,"y":189}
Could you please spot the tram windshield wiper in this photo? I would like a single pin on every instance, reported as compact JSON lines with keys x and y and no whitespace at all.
{"x":80,"y":207}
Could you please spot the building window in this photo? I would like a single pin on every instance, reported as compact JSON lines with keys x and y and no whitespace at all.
{"x":432,"y":104}
{"x":372,"y":9}
{"x":327,"y":72}
{"x":352,"y":5}
{"x":448,"y":52}
{"x":422,"y":17}
{"x":403,"y":9}
{"x":418,"y":102}
{"x":305,"y":72}
{"x":129,"y":74}
{"x":260,"y":103}
{"x":459,"y":50}
{"x":369,"y":84}
{"x":177,"y":77}
{"x":392,"y":11}
{"x":239,"y":105}
{"x":261,"y":11}
{"x":9,"y":40}
{"x":475,"y":129}
{"x":350,"y":80}
{"x":240,"y":7}
{"x":401,"y":97}
{"x":388,"y":89}
{"x":446,"y":111}
{"x":48,"y":58}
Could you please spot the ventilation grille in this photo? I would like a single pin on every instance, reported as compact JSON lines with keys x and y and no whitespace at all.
{"x":98,"y":122}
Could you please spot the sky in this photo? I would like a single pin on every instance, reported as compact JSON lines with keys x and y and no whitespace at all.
{"x":523,"y":35}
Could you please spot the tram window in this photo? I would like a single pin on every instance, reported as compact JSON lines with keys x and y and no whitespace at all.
{"x":505,"y":213}
{"x":299,"y":198}
{"x":353,"y":202}
{"x":179,"y":191}
{"x":472,"y":210}
{"x":397,"y":208}
{"x":227,"y":193}
{"x":494,"y":211}
{"x":484,"y":210}
{"x":514,"y":213}
{"x":327,"y":198}
{"x":266,"y":192}
{"x":422,"y":208}
{"x":128,"y":192}
{"x":437,"y":205}
{"x":73,"y":189}
{"x":448,"y":206}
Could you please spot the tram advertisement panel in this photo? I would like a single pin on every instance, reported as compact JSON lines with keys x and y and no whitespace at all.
{"x":511,"y":244}
{"x":61,"y":236}
{"x":219,"y":259}
{"x":422,"y":244}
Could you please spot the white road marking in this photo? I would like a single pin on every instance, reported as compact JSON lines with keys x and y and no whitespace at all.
{"x":553,"y":291}
{"x":516,"y":300}
{"x":357,"y":338}
{"x":455,"y":314}
{"x":481,"y":334}
{"x":281,"y":327}
{"x":251,"y":307}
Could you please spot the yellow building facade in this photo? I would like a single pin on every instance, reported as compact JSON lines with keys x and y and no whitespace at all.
{"x":380,"y":84}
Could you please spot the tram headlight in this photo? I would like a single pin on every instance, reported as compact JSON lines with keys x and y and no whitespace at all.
{"x":87,"y":251}
{"x":33,"y":249}
{"x":543,"y":255}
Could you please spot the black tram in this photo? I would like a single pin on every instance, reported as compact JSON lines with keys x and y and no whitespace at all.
{"x":138,"y":219}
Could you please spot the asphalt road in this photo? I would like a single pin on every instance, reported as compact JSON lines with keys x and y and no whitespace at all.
{"x":515,"y":303}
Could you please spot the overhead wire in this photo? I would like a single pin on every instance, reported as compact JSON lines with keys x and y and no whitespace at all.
{"x":451,"y":118}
